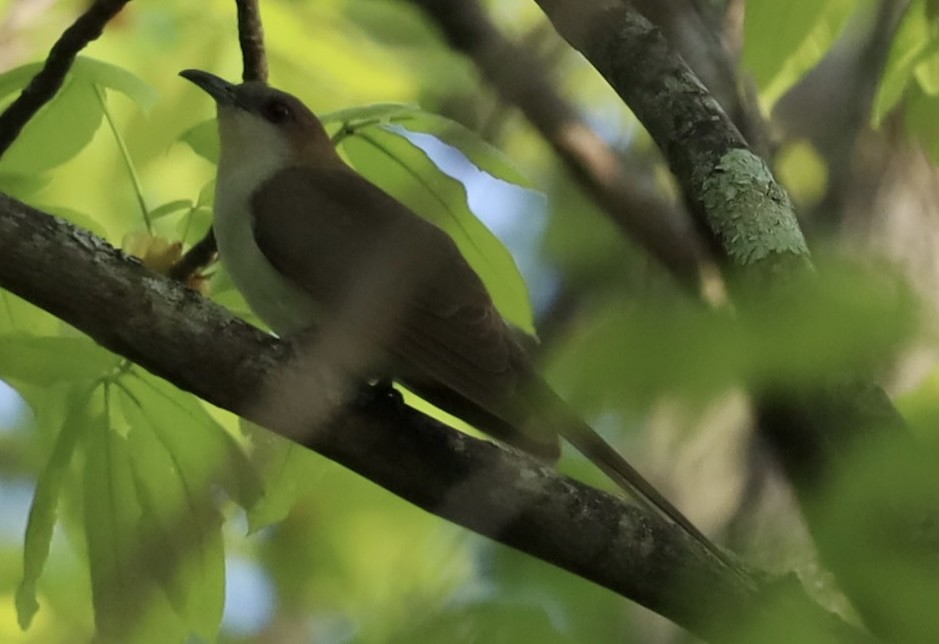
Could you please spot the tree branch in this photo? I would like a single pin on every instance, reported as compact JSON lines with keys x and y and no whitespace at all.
{"x":733,"y":196}
{"x":175,"y":333}
{"x":692,"y":33}
{"x":251,"y":39}
{"x":47,"y":82}
{"x":652,"y":221}
{"x":752,"y":226}
{"x":254,"y":61}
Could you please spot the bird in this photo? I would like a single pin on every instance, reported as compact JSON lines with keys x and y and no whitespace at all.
{"x":311,"y":243}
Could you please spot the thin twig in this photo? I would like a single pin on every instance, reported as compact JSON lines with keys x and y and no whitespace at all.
{"x":47,"y":82}
{"x":125,"y":156}
{"x":251,"y":38}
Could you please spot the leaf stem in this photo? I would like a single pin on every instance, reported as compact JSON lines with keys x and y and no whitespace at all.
{"x":125,"y":155}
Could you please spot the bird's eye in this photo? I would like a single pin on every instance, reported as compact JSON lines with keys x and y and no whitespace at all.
{"x":277,"y":111}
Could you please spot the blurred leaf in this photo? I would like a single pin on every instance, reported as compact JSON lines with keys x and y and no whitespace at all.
{"x":122,"y":557}
{"x":288,"y":472}
{"x":492,"y":622}
{"x":803,"y":171}
{"x":194,"y":225}
{"x":203,"y":452}
{"x":65,"y":125}
{"x":843,"y":320}
{"x":912,"y":46}
{"x":584,"y":242}
{"x":78,"y":218}
{"x":43,"y":511}
{"x":57,"y":133}
{"x":783,"y":40}
{"x":96,"y":72}
{"x":404,"y":170}
{"x":170,"y":207}
{"x":922,"y":121}
{"x":483,"y":155}
{"x":373,"y":113}
{"x":23,"y":185}
{"x":880,"y":528}
{"x":203,"y":139}
{"x":46,"y":360}
{"x":182,"y":526}
{"x":207,"y":195}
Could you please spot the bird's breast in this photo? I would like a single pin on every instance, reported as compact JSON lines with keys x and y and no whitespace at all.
{"x":273,"y":297}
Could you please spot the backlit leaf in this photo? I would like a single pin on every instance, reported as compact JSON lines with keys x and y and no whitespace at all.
{"x":404,"y":170}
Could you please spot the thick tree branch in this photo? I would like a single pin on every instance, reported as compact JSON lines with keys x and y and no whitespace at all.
{"x":751,"y":224}
{"x":692,"y":33}
{"x":731,"y":192}
{"x":47,"y":82}
{"x":652,"y":221}
{"x":178,"y":335}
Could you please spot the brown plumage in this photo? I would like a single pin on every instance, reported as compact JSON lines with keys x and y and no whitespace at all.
{"x":312,"y":243}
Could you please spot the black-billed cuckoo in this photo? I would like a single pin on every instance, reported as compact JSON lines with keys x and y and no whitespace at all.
{"x":311,"y":243}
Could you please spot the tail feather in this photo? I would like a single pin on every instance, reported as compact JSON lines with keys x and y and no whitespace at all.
{"x":589,"y":443}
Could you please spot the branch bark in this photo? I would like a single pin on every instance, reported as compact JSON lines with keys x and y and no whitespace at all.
{"x":751,"y":224}
{"x":645,"y":216}
{"x":178,"y":335}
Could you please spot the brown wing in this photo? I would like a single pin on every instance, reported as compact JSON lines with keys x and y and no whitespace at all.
{"x":401,"y":283}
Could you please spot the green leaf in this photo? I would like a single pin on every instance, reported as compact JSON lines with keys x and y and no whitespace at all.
{"x":129,"y":605}
{"x":369,"y":114}
{"x":203,"y":139}
{"x":205,"y":454}
{"x":43,"y":510}
{"x":207,"y":195}
{"x":843,"y":320}
{"x":78,"y":218}
{"x":783,"y":40}
{"x":96,"y":72}
{"x":288,"y":471}
{"x":46,"y":360}
{"x":17,"y":78}
{"x":404,"y":170}
{"x":65,"y":125}
{"x":922,"y":120}
{"x":194,"y":225}
{"x":483,"y":155}
{"x":59,"y":131}
{"x":171,"y":207}
{"x":23,"y":185}
{"x":180,"y":522}
{"x":912,"y":44}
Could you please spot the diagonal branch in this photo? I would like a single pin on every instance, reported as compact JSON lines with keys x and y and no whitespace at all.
{"x":178,"y":335}
{"x":652,"y":221}
{"x":752,"y":226}
{"x":47,"y":82}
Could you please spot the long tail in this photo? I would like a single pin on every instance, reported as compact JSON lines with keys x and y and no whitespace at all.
{"x":589,"y":443}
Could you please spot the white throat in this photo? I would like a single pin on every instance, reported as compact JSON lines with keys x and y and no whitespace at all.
{"x":251,"y":153}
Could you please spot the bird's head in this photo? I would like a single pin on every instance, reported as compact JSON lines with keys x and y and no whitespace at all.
{"x":257,"y":121}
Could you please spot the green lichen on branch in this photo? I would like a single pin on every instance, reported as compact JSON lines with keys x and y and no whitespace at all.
{"x":749,"y":212}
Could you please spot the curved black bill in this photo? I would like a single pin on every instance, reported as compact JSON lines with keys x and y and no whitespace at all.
{"x":218,"y":88}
